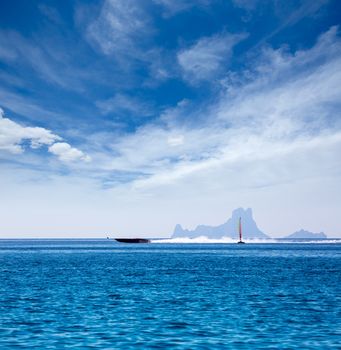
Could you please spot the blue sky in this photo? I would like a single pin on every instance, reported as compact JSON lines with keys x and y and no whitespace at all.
{"x":127,"y":117}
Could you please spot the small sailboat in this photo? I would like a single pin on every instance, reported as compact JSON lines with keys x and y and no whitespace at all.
{"x":240,"y":232}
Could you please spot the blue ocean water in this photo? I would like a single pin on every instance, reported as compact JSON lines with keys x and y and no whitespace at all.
{"x":104,"y":295}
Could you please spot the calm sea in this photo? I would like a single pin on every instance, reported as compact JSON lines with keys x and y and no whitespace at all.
{"x":104,"y":295}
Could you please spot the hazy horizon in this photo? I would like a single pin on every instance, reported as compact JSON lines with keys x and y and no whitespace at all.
{"x":112,"y":234}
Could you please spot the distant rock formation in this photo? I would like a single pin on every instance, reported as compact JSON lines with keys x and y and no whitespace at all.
{"x":306,"y":235}
{"x":228,"y":229}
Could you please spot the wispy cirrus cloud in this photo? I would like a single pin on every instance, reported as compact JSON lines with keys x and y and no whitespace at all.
{"x":26,"y":52}
{"x":125,"y":33}
{"x":286,"y":13}
{"x":26,"y":106}
{"x":47,"y":60}
{"x":121,"y":104}
{"x":51,"y":13}
{"x":119,"y":27}
{"x":208,"y":57}
{"x":246,"y":4}
{"x":305,"y":10}
{"x":173,"y":7}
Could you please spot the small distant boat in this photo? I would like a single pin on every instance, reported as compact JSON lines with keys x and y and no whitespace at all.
{"x":240,"y":232}
{"x":132,"y":240}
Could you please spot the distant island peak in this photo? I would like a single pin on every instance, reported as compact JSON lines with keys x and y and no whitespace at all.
{"x":303,"y":234}
{"x":228,"y":229}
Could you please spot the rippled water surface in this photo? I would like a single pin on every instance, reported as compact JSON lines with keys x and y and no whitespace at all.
{"x":105,"y":295}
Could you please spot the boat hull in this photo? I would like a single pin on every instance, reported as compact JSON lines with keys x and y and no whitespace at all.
{"x":132,"y":240}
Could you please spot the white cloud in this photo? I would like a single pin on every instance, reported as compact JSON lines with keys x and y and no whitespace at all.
{"x":175,"y":140}
{"x":13,"y":137}
{"x":66,"y":153}
{"x":208,"y":56}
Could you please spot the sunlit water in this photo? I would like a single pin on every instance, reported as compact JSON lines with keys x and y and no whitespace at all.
{"x":105,"y":295}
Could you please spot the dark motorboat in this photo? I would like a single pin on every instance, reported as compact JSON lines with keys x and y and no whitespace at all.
{"x":132,"y":240}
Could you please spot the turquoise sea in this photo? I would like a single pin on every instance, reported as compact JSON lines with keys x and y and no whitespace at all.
{"x":98,"y":294}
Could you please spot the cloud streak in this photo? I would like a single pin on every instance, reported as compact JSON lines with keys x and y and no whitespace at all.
{"x":173,"y":7}
{"x":119,"y":27}
{"x":122,"y":104}
{"x":208,"y":56}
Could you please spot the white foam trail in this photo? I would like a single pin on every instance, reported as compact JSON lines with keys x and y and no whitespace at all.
{"x":316,"y":241}
{"x":206,"y":240}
